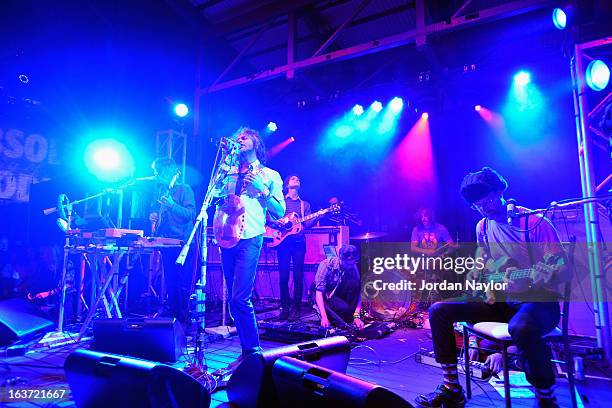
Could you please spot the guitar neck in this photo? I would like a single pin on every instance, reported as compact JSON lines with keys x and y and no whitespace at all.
{"x":311,"y":216}
{"x":517,"y":274}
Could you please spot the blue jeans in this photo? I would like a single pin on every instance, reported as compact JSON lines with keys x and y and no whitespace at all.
{"x":239,"y":268}
{"x":527,"y":323}
{"x":288,"y":250}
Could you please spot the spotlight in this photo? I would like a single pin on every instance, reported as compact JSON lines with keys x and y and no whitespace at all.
{"x":181,"y":110}
{"x":559,"y":18}
{"x":23,"y":78}
{"x":272,"y":127}
{"x":522,"y":78}
{"x":425,"y":116}
{"x":292,"y":139}
{"x":396,"y":104}
{"x":597,"y":75}
{"x":106,"y":158}
{"x":377,"y":106}
{"x":358,"y":110}
{"x":477,"y":108}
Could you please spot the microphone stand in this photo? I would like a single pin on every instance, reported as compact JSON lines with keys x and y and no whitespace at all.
{"x":220,"y":170}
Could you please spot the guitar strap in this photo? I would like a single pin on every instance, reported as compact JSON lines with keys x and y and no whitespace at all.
{"x":302,"y":207}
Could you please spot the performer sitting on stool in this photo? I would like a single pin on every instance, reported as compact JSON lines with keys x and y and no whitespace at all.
{"x":338,"y":289}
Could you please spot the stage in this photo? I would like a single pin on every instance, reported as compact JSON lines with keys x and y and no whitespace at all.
{"x":389,"y":362}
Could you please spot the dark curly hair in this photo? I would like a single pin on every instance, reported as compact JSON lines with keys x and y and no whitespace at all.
{"x":260,"y":147}
{"x":478,"y":185}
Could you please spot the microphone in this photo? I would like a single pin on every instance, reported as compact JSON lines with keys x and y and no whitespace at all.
{"x":229,"y":144}
{"x":511,"y":210}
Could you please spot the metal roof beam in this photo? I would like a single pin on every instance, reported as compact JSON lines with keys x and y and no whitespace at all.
{"x":494,"y":13}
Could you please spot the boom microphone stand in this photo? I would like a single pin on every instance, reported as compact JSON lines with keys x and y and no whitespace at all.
{"x":228,"y":151}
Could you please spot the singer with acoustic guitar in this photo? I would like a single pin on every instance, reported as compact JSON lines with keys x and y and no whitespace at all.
{"x":247,"y":193}
{"x":172,"y":215}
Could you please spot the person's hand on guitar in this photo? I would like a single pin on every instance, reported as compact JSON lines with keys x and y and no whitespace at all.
{"x":325,"y":322}
{"x":166,"y":201}
{"x":154,"y":217}
{"x":358,"y":323}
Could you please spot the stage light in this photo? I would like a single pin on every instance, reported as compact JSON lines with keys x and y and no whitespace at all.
{"x":272,"y":127}
{"x":292,"y":139}
{"x":522,"y":78}
{"x":396,"y":104}
{"x":597,"y":75}
{"x":559,"y":18}
{"x":357,"y":110}
{"x":377,"y":106}
{"x":181,"y":110}
{"x":425,"y":116}
{"x":477,"y":108}
{"x":108,"y":160}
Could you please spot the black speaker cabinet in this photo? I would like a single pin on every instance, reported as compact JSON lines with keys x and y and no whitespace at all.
{"x":109,"y":380}
{"x":251,"y":383}
{"x":158,"y":339}
{"x":302,"y":384}
{"x":19,"y":320}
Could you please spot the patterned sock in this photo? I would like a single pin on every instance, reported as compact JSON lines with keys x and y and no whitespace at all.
{"x":451,"y":377}
{"x":545,"y":393}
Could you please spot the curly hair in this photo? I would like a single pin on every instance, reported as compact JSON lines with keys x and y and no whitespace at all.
{"x":260,"y":147}
{"x":478,"y":185}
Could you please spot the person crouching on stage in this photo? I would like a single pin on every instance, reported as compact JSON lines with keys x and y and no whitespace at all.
{"x":338,"y":289}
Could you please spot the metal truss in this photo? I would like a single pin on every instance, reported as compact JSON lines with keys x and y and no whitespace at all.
{"x":172,"y":144}
{"x":590,"y":137}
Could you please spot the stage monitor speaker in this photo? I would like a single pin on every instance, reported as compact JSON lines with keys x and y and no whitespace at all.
{"x":160,"y":339}
{"x":302,"y":384}
{"x":251,"y":383}
{"x":19,"y":320}
{"x":109,"y":380}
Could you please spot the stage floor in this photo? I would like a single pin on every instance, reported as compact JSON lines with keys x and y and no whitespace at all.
{"x":388,"y":362}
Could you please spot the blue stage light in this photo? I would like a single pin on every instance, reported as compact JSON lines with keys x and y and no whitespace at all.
{"x":272,"y":127}
{"x":597,"y":75}
{"x":559,"y":18}
{"x":377,"y":106}
{"x":396,"y":104}
{"x":358,"y":110}
{"x":522,"y":78}
{"x":181,"y":110}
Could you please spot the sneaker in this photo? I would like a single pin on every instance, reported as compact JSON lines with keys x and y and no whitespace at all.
{"x":284,"y":314}
{"x":441,"y":397}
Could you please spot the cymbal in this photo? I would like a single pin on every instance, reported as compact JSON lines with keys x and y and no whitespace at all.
{"x":370,"y":235}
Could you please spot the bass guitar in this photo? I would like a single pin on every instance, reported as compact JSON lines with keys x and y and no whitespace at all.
{"x":498,"y":272}
{"x":291,"y":224}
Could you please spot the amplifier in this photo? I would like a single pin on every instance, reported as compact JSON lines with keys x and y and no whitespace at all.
{"x":160,"y":339}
